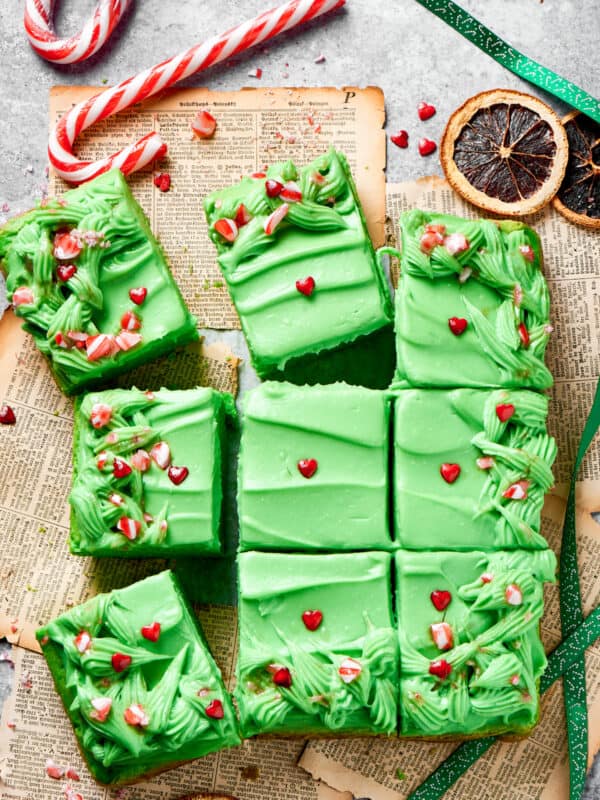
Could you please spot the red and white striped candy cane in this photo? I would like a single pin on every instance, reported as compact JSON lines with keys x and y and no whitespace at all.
{"x":160,"y":77}
{"x":38,"y":26}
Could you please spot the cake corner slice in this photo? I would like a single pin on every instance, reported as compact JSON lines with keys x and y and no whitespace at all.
{"x":470,"y":650}
{"x":471,"y":468}
{"x":147,"y":477}
{"x":310,"y":662}
{"x":472,"y":306}
{"x":138,"y":682}
{"x":313,"y":468}
{"x":91,"y":283}
{"x":312,"y":299}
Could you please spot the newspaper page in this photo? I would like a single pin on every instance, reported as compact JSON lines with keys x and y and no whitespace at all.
{"x":255,"y":128}
{"x":535,"y":767}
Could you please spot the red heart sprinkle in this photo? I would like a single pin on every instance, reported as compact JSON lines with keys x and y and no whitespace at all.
{"x":177,"y":475}
{"x":215,"y":710}
{"x":425,"y":111}
{"x":121,"y":469}
{"x":312,"y":619}
{"x":426,"y":147}
{"x":282,"y":677}
{"x":306,"y":286}
{"x":273,"y":188}
{"x":138,"y":295}
{"x":151,"y":632}
{"x":450,"y":472}
{"x":440,"y":668}
{"x":504,"y":411}
{"x":457,"y":325}
{"x":162,"y":181}
{"x":307,"y":467}
{"x":7,"y":415}
{"x":120,"y":662}
{"x":400,"y":139}
{"x":441,"y":599}
{"x":524,"y":335}
{"x":65,"y":272}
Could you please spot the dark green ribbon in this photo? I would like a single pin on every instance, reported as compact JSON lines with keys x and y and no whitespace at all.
{"x":566,"y":661}
{"x":516,"y":62}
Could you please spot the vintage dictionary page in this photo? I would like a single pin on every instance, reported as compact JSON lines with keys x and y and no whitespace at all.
{"x":535,"y":767}
{"x":255,"y":128}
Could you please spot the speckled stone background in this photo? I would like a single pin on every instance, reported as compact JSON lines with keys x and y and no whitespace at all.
{"x":395,"y":44}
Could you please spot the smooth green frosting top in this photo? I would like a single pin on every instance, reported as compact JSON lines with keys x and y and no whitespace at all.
{"x":183,"y":518}
{"x":497,"y":656}
{"x":323,"y":236}
{"x":119,"y":253}
{"x":460,"y":426}
{"x":343,"y":505}
{"x":275,"y":591}
{"x":174,"y":679}
{"x":492,"y":285}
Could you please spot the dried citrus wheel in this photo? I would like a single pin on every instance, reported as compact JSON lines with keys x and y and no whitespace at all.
{"x":578,"y":198}
{"x":505,"y":152}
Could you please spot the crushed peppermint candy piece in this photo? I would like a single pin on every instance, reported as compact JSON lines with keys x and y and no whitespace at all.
{"x":275,"y":218}
{"x":22,"y":296}
{"x":121,"y":469}
{"x":129,"y":527}
{"x":100,"y":415}
{"x":349,"y":670}
{"x":526,"y":251}
{"x":429,"y":241}
{"x":517,"y":491}
{"x":160,"y":453}
{"x":126,"y":340}
{"x":162,"y":181}
{"x":204,"y":124}
{"x":513,"y":595}
{"x":67,"y":245}
{"x":136,"y":716}
{"x":485,"y":462}
{"x":514,"y":680}
{"x":101,"y":708}
{"x":524,"y":335}
{"x":83,"y":641}
{"x":255,"y":73}
{"x":102,"y":459}
{"x":100,"y":346}
{"x":320,"y":59}
{"x":486,"y":577}
{"x":116,"y":499}
{"x":517,"y":295}
{"x":456,"y":243}
{"x":130,"y":321}
{"x":291,"y":192}
{"x":140,"y":460}
{"x":442,"y":635}
{"x":226,"y":228}
{"x":242,"y":216}
{"x":53,"y":770}
{"x":464,"y":274}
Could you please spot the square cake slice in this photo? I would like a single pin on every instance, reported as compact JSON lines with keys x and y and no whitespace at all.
{"x":91,"y":282}
{"x":295,"y":251}
{"x":470,"y":650}
{"x":147,"y":477}
{"x":311,"y":661}
{"x":472,"y":306}
{"x":138,"y":681}
{"x":471,"y":468}
{"x":313,"y":468}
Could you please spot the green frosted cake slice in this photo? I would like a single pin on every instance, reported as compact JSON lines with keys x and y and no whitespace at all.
{"x":472,"y":306}
{"x":147,"y":475}
{"x":91,"y":282}
{"x":471,"y":468}
{"x":295,"y":252}
{"x":313,"y":468}
{"x":470,"y":650}
{"x":138,"y":681}
{"x":312,"y":660}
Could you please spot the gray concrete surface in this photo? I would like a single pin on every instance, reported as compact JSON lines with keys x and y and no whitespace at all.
{"x":398,"y":45}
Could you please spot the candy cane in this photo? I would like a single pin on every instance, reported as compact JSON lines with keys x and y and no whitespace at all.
{"x":38,"y":26}
{"x":160,"y":77}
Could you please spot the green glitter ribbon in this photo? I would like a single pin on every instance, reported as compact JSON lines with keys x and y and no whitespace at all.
{"x":516,"y":62}
{"x":567,"y":660}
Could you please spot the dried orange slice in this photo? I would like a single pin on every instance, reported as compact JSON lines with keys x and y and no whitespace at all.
{"x":505,"y":152}
{"x":578,"y":198}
